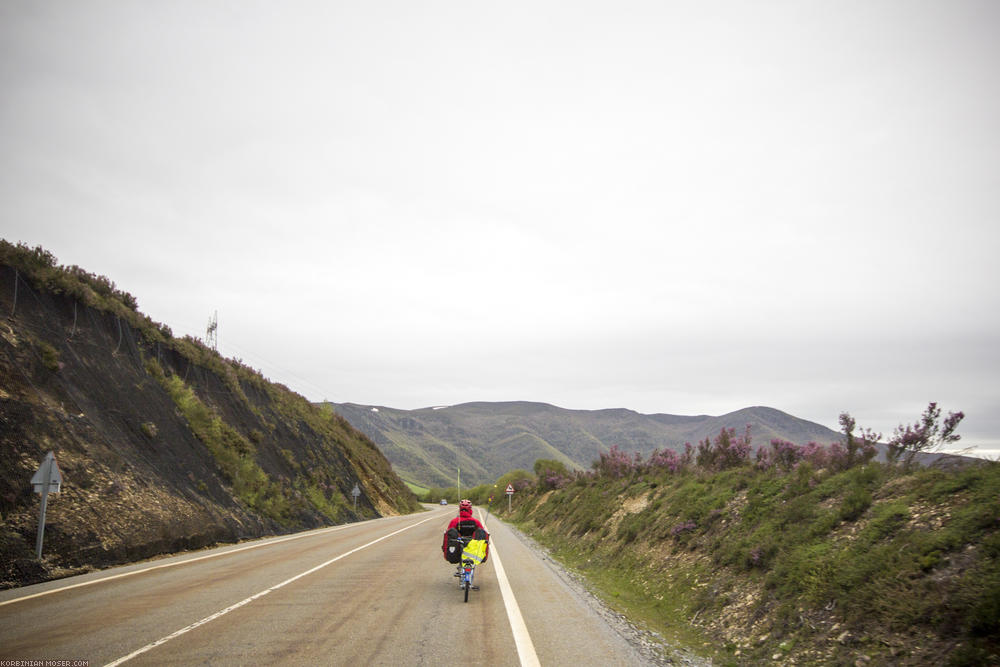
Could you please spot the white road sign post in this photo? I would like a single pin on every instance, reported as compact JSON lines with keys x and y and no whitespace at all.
{"x":509,"y":492}
{"x":47,"y":479}
{"x":355,"y":492}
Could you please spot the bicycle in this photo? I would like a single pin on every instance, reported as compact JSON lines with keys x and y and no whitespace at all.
{"x":473,"y":552}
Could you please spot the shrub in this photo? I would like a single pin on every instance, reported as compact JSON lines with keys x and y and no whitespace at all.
{"x":785,"y":454}
{"x":551,"y":474}
{"x":683,"y":527}
{"x":857,"y":450}
{"x":926,"y":435}
{"x":615,"y":463}
{"x":549,"y":465}
{"x":666,"y":459}
{"x":50,"y":356}
{"x":727,"y":451}
{"x":856,"y":501}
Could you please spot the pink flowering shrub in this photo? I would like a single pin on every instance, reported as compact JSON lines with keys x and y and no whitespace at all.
{"x":857,"y":450}
{"x":925,"y":436}
{"x":666,"y":459}
{"x":553,"y":480}
{"x":616,"y":463}
{"x":816,"y":455}
{"x":726,"y":451}
{"x":785,"y":454}
{"x":521,"y":484}
{"x":683,"y":527}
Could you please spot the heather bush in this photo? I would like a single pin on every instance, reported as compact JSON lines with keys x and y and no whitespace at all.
{"x":826,"y":530}
{"x":616,"y":463}
{"x":726,"y":451}
{"x":551,"y":474}
{"x":666,"y":459}
{"x":858,"y":449}
{"x":683,"y":527}
{"x":926,"y":435}
{"x":785,"y":454}
{"x":552,"y":480}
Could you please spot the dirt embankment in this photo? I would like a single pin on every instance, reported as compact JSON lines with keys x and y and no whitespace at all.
{"x":139,"y":479}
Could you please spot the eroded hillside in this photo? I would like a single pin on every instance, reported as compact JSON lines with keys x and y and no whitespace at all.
{"x":163,"y":444}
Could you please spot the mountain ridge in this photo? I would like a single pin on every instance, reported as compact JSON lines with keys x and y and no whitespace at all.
{"x":486,"y":439}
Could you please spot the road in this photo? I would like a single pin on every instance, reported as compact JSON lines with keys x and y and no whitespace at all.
{"x":371,"y":593}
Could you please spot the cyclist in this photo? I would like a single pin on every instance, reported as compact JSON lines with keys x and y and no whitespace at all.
{"x":465,"y":522}
{"x":465,"y":525}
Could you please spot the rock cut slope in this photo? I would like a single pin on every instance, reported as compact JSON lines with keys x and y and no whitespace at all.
{"x":163,"y":444}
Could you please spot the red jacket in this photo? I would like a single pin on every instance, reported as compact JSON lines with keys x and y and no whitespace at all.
{"x":466,"y":525}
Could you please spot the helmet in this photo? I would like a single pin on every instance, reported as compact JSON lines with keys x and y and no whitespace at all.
{"x":465,"y":507}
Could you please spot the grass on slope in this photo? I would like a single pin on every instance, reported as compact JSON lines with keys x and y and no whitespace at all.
{"x":817,"y":565}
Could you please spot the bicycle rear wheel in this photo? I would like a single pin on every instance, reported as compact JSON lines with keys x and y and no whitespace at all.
{"x":467,"y":587}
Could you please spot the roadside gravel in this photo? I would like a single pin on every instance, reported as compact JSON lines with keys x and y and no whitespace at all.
{"x":651,"y":645}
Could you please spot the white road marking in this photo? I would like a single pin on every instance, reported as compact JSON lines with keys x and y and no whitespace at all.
{"x":525,"y":647}
{"x":255,"y":596}
{"x":182,"y":562}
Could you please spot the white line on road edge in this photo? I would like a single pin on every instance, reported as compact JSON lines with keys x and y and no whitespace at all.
{"x":181,"y":562}
{"x":253,"y":597}
{"x":525,"y":647}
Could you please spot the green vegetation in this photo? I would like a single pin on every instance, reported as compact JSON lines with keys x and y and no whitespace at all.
{"x":40,"y":268}
{"x":329,"y":457}
{"x":812,"y":552}
{"x":50,"y":356}
{"x":481,"y":494}
{"x":486,"y":440}
{"x":416,"y":488}
{"x":233,"y":453}
{"x":283,"y":500}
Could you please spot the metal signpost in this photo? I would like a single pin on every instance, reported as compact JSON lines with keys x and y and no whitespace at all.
{"x":46,"y":480}
{"x":355,"y":492}
{"x":509,"y":492}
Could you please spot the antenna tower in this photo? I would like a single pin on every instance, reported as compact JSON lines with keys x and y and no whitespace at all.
{"x":212,"y":334}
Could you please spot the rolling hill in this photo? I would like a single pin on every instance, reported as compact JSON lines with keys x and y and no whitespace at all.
{"x":485,"y":440}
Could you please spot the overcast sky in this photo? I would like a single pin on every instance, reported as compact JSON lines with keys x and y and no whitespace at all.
{"x":686,"y":208}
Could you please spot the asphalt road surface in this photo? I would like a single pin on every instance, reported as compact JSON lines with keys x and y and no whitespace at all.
{"x":371,"y":593}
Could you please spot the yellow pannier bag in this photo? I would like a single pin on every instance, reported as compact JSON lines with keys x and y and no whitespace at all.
{"x":475,"y":550}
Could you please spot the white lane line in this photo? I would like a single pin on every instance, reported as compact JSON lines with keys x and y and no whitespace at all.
{"x":253,"y":597}
{"x":525,"y":647}
{"x":183,"y":562}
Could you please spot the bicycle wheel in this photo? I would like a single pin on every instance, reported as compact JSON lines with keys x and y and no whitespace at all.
{"x":467,"y":587}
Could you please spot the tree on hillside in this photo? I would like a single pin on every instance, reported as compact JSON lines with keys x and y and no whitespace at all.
{"x":927,"y":435}
{"x":860,"y":448}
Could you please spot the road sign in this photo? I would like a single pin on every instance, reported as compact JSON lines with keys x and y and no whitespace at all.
{"x":510,"y":489}
{"x":47,"y":479}
{"x":355,"y":492}
{"x":47,"y":475}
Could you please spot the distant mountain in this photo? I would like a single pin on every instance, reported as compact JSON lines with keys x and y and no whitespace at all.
{"x":485,"y":440}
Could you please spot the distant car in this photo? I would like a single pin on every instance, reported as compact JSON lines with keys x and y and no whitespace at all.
{"x":444,"y":502}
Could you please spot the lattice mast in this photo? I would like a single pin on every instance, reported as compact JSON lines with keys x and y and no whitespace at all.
{"x":212,"y":333}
